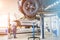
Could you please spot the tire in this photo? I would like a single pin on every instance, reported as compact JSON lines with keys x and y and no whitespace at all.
{"x":20,"y":6}
{"x":32,"y":13}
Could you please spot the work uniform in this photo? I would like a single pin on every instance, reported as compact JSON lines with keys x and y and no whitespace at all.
{"x":14,"y":29}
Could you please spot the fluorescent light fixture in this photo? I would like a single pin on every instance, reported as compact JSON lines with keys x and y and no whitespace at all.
{"x":57,"y":2}
{"x":49,"y":7}
{"x":52,"y":5}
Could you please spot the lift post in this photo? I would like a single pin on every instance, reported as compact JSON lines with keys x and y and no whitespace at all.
{"x":42,"y":25}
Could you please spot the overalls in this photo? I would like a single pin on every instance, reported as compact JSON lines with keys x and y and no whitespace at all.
{"x":14,"y":30}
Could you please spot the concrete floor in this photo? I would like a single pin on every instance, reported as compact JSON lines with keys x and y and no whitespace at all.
{"x":48,"y":36}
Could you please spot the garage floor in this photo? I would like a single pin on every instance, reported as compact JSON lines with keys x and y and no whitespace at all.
{"x":48,"y":36}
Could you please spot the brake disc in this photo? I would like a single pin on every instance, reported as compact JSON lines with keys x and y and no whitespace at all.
{"x":30,"y":7}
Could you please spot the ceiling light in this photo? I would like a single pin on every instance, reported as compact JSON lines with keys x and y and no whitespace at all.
{"x":52,"y":5}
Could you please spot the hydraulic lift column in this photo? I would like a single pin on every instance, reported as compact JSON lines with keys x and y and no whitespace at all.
{"x":42,"y":25}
